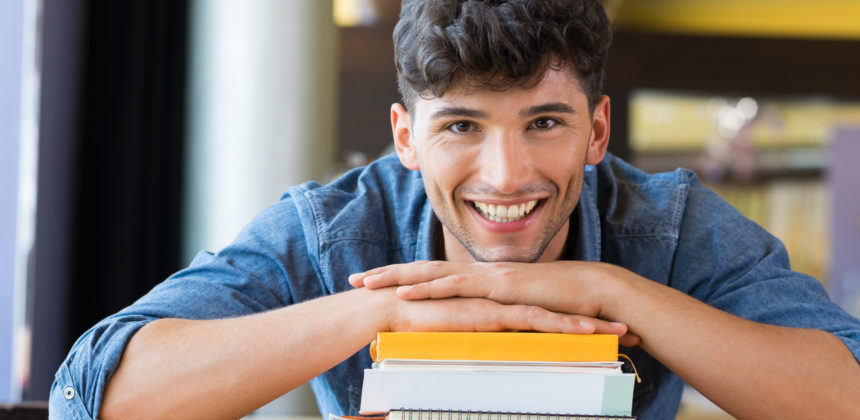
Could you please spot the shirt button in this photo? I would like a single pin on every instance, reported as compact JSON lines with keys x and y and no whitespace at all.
{"x":69,"y":393}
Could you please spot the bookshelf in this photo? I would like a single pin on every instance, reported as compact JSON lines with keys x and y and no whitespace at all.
{"x":768,"y":157}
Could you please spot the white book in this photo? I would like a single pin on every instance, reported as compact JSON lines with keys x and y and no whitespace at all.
{"x":555,"y":390}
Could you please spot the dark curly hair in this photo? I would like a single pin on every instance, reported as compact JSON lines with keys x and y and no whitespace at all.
{"x":498,"y":44}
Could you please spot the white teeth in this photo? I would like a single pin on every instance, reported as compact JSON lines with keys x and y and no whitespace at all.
{"x":500,"y":213}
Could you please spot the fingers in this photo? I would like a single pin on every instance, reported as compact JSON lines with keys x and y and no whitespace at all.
{"x":629,"y":340}
{"x":436,"y":280}
{"x":476,"y":314}
{"x":468,"y":314}
{"x":402,"y":274}
{"x":533,"y":318}
{"x":457,"y":284}
{"x":606,"y":327}
{"x":523,"y":302}
{"x":357,"y":279}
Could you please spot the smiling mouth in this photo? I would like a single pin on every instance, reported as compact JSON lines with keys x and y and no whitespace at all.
{"x":500,"y":213}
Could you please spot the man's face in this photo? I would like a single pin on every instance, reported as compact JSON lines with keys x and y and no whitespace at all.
{"x":503,"y":169}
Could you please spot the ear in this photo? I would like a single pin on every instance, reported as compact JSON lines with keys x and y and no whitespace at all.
{"x":599,"y":132}
{"x":402,"y":133}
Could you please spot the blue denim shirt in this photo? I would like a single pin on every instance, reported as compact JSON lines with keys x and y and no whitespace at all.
{"x":665,"y":227}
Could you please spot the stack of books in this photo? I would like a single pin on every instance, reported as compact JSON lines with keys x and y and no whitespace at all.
{"x":496,"y":376}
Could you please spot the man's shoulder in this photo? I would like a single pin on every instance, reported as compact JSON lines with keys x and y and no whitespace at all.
{"x":614,"y":170}
{"x":653,"y":224}
{"x":386,"y":172}
{"x":634,"y":202}
{"x":371,"y":202}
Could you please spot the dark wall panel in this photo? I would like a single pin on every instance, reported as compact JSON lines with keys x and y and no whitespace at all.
{"x":129,"y":155}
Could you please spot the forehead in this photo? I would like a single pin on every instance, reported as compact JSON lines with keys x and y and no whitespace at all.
{"x":555,"y":85}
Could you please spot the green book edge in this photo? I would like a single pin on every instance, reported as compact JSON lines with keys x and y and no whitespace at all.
{"x":617,"y":392}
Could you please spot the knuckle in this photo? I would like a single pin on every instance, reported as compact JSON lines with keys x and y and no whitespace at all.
{"x":533,"y":312}
{"x":570,"y":322}
{"x":484,"y":305}
{"x":457,"y":279}
{"x":507,"y":270}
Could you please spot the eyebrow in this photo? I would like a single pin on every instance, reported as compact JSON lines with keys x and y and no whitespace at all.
{"x":456,"y":111}
{"x":554,"y":107}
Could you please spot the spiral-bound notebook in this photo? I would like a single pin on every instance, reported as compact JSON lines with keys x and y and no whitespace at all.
{"x":475,"y":415}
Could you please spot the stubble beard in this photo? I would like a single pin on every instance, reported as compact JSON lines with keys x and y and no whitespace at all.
{"x":477,"y":251}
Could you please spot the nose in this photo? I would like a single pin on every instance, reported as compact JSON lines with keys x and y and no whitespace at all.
{"x":505,"y":163}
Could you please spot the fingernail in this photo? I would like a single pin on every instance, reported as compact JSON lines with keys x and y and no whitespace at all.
{"x":619,"y":324}
{"x":587,"y":325}
{"x":403,"y":289}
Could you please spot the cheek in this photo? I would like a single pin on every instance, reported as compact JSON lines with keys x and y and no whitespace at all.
{"x":438,"y":185}
{"x":573,"y":189}
{"x":564,"y":167}
{"x":445,"y":170}
{"x":446,"y":182}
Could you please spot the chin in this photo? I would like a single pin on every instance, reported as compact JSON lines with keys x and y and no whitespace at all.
{"x":526,"y":256}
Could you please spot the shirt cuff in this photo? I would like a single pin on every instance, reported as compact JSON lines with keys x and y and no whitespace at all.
{"x":65,"y":400}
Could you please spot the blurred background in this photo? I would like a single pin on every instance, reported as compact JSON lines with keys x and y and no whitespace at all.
{"x":135,"y":133}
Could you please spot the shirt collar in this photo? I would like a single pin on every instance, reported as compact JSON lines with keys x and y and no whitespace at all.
{"x":428,"y":235}
{"x":585,"y":221}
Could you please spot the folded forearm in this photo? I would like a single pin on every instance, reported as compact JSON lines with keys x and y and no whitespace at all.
{"x":749,"y":369}
{"x":226,"y":368}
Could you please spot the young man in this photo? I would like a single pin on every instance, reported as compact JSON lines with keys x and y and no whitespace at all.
{"x":501,"y":211}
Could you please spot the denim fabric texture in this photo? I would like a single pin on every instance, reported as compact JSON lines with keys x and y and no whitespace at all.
{"x":666,"y":227}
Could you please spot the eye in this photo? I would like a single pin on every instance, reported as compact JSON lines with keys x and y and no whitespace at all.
{"x":461,"y":127}
{"x":544,"y":123}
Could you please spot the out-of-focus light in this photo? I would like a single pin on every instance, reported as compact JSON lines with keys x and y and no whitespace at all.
{"x":354,"y":12}
{"x":748,"y":107}
{"x":730,"y":119}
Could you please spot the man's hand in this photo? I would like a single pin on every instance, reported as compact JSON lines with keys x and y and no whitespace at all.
{"x":537,"y":292}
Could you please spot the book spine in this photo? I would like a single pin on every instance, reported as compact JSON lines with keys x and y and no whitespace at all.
{"x":485,"y":415}
{"x":496,"y":346}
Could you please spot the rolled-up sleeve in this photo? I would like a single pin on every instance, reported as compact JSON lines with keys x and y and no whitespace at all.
{"x":65,"y":399}
{"x":80,"y":381}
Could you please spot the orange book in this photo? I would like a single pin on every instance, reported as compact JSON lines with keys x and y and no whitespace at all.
{"x":507,"y":346}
